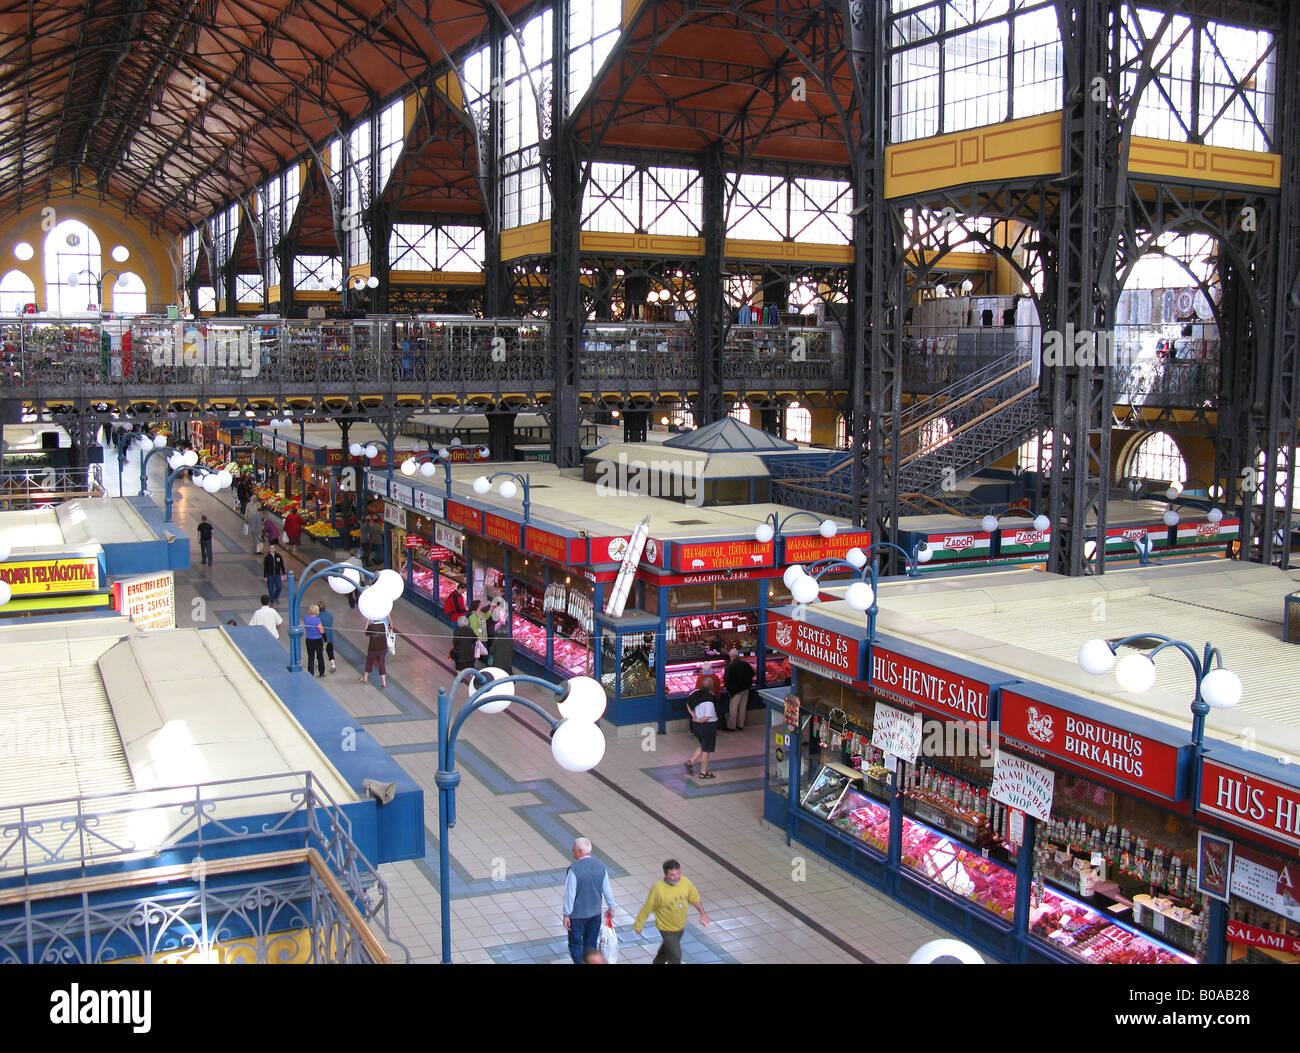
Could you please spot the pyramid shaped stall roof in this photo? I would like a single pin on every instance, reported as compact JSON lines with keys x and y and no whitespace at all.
{"x":729,"y":436}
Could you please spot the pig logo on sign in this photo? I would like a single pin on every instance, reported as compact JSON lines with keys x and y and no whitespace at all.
{"x":697,"y":564}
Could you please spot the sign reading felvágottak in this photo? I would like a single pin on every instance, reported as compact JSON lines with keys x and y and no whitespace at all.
{"x":40,"y":577}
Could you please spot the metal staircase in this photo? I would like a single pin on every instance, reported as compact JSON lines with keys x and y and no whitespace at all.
{"x":946,"y":436}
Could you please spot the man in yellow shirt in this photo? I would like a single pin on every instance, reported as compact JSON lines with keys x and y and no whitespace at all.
{"x":669,"y":900}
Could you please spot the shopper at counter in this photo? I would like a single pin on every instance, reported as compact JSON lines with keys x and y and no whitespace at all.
{"x":462,"y":645}
{"x":455,"y":606}
{"x":704,"y":726}
{"x":293,"y":524}
{"x":708,"y":680}
{"x":738,"y":678}
{"x":501,"y":645}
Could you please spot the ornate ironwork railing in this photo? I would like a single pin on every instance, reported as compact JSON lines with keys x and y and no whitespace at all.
{"x":282,"y":907}
{"x":33,"y":487}
{"x":206,"y":822}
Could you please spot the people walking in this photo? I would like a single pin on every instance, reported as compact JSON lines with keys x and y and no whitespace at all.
{"x":315,"y":636}
{"x":376,"y":651}
{"x":704,"y":726}
{"x":205,"y":542}
{"x":669,"y":899}
{"x":244,"y":493}
{"x":586,"y":885}
{"x":327,"y":626}
{"x":737,"y":678}
{"x":267,"y":617}
{"x":454,"y":605}
{"x":372,"y":536}
{"x":462,"y":645}
{"x":478,"y":626}
{"x":253,"y":519}
{"x":273,"y":571}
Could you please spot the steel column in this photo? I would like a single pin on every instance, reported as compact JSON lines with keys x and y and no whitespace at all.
{"x":566,"y":313}
{"x":710,"y":306}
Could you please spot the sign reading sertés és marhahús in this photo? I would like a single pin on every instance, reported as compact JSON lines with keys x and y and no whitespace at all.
{"x":1023,"y":785}
{"x":149,"y":601}
{"x":897,"y":732}
{"x":39,"y":577}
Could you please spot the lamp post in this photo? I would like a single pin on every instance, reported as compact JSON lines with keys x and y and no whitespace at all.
{"x":1216,"y":688}
{"x":73,"y":280}
{"x":427,"y":464}
{"x":189,"y":462}
{"x":148,"y":448}
{"x":774,"y":525}
{"x":576,"y":743}
{"x":375,"y":602}
{"x":508,"y":489}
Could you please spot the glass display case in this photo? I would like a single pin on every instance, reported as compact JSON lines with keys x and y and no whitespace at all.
{"x":1087,"y":935}
{"x":823,"y":796}
{"x":529,"y":622}
{"x":961,"y":870}
{"x":862,"y":817}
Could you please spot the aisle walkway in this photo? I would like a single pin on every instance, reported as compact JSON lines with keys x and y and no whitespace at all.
{"x":518,"y":812}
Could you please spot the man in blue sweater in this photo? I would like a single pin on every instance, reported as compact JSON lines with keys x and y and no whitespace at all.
{"x":586,"y":884}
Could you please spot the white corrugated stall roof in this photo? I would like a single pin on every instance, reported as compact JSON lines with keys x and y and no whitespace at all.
{"x":1032,"y":624}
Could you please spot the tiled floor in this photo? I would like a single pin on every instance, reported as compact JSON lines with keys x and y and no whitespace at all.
{"x":518,"y":812}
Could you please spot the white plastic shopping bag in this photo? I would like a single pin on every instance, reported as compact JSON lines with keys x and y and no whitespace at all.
{"x":608,"y":943}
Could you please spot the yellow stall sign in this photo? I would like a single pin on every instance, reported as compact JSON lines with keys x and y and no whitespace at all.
{"x":43,"y":576}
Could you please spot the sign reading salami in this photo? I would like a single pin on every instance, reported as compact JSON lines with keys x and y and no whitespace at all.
{"x":1090,"y":744}
{"x":907,"y":680}
{"x":897,"y":732}
{"x":823,"y":650}
{"x":808,"y":548}
{"x":1270,"y":882}
{"x":1023,"y":785}
{"x":1240,"y":932}
{"x":723,"y":555}
{"x":501,"y":528}
{"x":40,"y":577}
{"x":150,"y":601}
{"x":463,"y":515}
{"x":1251,"y":800}
{"x":552,"y":546}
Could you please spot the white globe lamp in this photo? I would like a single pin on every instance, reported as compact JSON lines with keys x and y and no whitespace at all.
{"x":374,"y":606}
{"x":583,"y":700}
{"x":499,"y":693}
{"x":577,"y":745}
{"x":1135,"y":673}
{"x":1221,"y":689}
{"x":827,"y":529}
{"x":805,"y":590}
{"x":1096,"y":657}
{"x":763,"y":533}
{"x":792,"y":574}
{"x":859,"y":596}
{"x":508,"y":489}
{"x":856,"y":556}
{"x":482,"y":485}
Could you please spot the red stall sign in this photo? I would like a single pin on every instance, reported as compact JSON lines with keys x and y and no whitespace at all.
{"x":1240,"y":932}
{"x":809,"y":548}
{"x":501,"y":528}
{"x":463,"y":515}
{"x":1090,"y":744}
{"x":437,"y":553}
{"x":722,"y":555}
{"x":827,"y":651}
{"x":1251,"y":800}
{"x":554,"y":547}
{"x":902,"y":679}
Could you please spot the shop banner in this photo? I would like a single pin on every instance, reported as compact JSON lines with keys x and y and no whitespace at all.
{"x":430,"y":503}
{"x":463,"y":515}
{"x":809,"y":548}
{"x":1251,"y":800}
{"x":448,"y":537}
{"x":967,"y":545}
{"x":33,"y":577}
{"x":822,"y":650}
{"x":722,"y":555}
{"x":149,"y":601}
{"x":655,"y":553}
{"x":501,"y":529}
{"x":897,"y":732}
{"x":1022,"y":785}
{"x":402,"y":494}
{"x":266,"y":440}
{"x":394,"y":515}
{"x":1091,"y":744}
{"x":465,"y":454}
{"x":914,"y":682}
{"x":609,"y":549}
{"x":378,"y":484}
{"x":1157,"y":534}
{"x":1219,"y":533}
{"x":1271,"y":883}
{"x":1240,"y":932}
{"x":554,"y":547}
{"x":705,"y":579}
{"x":437,"y":553}
{"x":1024,"y":539}
{"x":296,"y":453}
{"x":334,"y":457}
{"x":281,"y":445}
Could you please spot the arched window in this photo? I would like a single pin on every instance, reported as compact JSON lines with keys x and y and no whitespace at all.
{"x":129,"y":294}
{"x":798,"y":423}
{"x":16,"y":291}
{"x":740,"y":412}
{"x":1158,"y":457}
{"x":73,"y":268}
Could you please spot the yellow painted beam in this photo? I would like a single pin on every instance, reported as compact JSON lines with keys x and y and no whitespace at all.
{"x":435,"y":277}
{"x":1212,"y":164}
{"x":531,"y":240}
